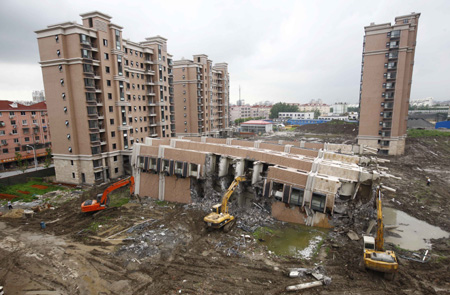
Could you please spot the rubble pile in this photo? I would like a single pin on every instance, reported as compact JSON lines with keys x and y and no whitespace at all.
{"x":152,"y":242}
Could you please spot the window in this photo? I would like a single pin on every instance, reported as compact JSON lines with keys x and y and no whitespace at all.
{"x":108,"y":82}
{"x":57,"y":38}
{"x":111,"y":109}
{"x":111,"y":121}
{"x":405,"y":21}
{"x":2,"y":132}
{"x":105,"y":42}
{"x":106,"y":56}
{"x":60,"y":68}
{"x":24,"y":122}
{"x":22,"y":113}
{"x":5,"y":151}
{"x":114,"y":146}
{"x":109,"y":95}
{"x":107,"y":70}
{"x":27,"y":139}
{"x":116,"y":170}
{"x":118,"y":40}
{"x":115,"y":158}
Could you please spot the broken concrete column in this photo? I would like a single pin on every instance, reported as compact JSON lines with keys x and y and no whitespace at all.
{"x":347,"y":189}
{"x":257,"y":169}
{"x":239,"y":170}
{"x":309,"y":189}
{"x":287,"y":148}
{"x":162,"y":186}
{"x":210,"y":165}
{"x":223,"y":166}
{"x":304,"y":286}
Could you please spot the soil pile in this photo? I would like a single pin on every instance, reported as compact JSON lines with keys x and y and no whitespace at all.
{"x":333,"y":127}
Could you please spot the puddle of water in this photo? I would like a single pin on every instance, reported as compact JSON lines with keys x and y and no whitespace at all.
{"x":292,"y":240}
{"x":415,"y":234}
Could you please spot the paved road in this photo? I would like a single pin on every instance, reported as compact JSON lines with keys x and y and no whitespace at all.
{"x":16,"y":172}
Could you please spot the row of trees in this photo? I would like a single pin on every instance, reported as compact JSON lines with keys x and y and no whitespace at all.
{"x":282,"y":107}
{"x":23,"y":164}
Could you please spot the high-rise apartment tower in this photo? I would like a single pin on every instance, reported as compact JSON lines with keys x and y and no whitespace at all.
{"x":104,"y":94}
{"x":386,"y":77}
{"x":202,"y":97}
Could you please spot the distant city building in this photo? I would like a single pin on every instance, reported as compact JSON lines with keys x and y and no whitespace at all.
{"x":23,"y":128}
{"x":296,"y":115}
{"x":247,"y":111}
{"x":257,"y":126}
{"x":202,"y":92}
{"x":353,"y":116}
{"x":340,"y":108}
{"x":387,"y":67}
{"x":331,"y":118}
{"x":422,"y":102}
{"x":104,"y":94}
{"x":313,"y":106}
{"x":38,"y":96}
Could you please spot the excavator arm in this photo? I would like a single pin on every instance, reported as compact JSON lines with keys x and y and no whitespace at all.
{"x":96,"y":205}
{"x":227,"y":195}
{"x":379,"y":240}
{"x":117,"y":185}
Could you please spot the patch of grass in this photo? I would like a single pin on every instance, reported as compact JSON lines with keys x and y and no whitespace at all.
{"x":415,"y":133}
{"x":94,"y":226}
{"x":316,"y":252}
{"x":119,"y":202}
{"x":161,"y":203}
{"x":261,"y":231}
{"x":27,"y":187}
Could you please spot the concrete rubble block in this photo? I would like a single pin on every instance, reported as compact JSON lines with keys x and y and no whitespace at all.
{"x":352,"y":235}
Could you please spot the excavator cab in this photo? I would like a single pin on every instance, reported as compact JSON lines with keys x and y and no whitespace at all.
{"x":216,"y":208}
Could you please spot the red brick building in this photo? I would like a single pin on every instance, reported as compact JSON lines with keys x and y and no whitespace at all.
{"x":22,"y":129}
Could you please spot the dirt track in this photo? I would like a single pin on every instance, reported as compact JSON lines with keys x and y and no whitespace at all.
{"x":169,"y":251}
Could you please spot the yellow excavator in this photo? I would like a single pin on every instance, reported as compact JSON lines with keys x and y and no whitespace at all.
{"x":375,"y":257}
{"x":219,"y":217}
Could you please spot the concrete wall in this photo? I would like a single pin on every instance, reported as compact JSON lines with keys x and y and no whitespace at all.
{"x":23,"y":177}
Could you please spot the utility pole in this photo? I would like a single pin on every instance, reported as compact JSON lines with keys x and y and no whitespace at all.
{"x":35,"y":160}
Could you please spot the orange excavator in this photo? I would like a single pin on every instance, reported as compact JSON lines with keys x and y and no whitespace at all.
{"x":102,"y":200}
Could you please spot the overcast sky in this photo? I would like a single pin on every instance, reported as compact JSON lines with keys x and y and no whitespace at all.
{"x":291,"y":51}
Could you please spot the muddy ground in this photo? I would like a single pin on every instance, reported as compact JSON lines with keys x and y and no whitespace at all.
{"x":152,"y":247}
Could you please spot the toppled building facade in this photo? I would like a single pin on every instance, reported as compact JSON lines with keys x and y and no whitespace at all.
{"x":295,"y":181}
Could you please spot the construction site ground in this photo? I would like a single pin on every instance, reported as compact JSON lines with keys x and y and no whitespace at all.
{"x":153,"y":247}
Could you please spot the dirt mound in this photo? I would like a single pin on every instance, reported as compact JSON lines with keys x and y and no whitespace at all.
{"x":333,"y":127}
{"x":14,"y":213}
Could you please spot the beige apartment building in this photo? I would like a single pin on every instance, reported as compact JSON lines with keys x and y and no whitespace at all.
{"x":386,"y":77}
{"x":104,"y":94}
{"x":202,"y":92}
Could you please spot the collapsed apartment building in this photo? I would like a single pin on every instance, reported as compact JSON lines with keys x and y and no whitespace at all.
{"x":297,"y":181}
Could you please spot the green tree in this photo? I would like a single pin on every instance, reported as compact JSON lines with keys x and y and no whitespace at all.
{"x":282,"y":107}
{"x":48,"y":158}
{"x":23,"y":165}
{"x":316,"y":113}
{"x":353,"y":109}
